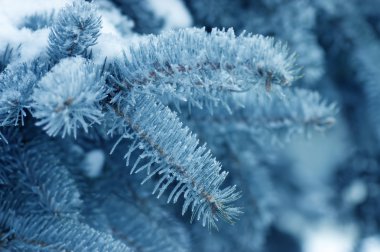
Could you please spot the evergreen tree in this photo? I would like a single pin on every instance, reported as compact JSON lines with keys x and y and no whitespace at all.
{"x":102,"y":106}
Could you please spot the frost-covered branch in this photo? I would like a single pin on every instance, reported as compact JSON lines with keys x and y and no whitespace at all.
{"x":194,"y":66}
{"x":68,"y":97}
{"x":263,"y":116}
{"x":145,"y":226}
{"x":36,"y":179}
{"x":16,"y":87}
{"x":76,"y":28}
{"x":48,"y":233}
{"x":7,"y":55}
{"x":175,"y":155}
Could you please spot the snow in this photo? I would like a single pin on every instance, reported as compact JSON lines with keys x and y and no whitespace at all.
{"x":356,"y":192}
{"x":111,"y":42}
{"x":12,"y":13}
{"x":109,"y":45}
{"x":174,"y":13}
{"x":14,"y":10}
{"x":33,"y":43}
{"x":116,"y":35}
{"x":93,"y":163}
{"x":329,"y":237}
{"x":112,"y":20}
{"x":371,"y":244}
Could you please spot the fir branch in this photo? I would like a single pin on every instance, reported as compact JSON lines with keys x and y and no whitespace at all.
{"x":75,"y":29}
{"x":16,"y":87}
{"x":37,"y":180}
{"x":145,"y":226}
{"x":55,"y":234}
{"x":149,"y":227}
{"x":282,"y":114}
{"x":144,"y":19}
{"x":192,"y":65}
{"x":38,"y":21}
{"x":68,"y":97}
{"x":7,"y":55}
{"x":174,"y":153}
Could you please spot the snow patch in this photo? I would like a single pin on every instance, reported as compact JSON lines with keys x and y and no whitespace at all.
{"x":355,"y":193}
{"x":371,"y":244}
{"x":15,"y":10}
{"x":112,"y":20}
{"x":174,"y":13}
{"x":93,"y":163}
{"x":329,"y":237}
{"x":12,"y":14}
